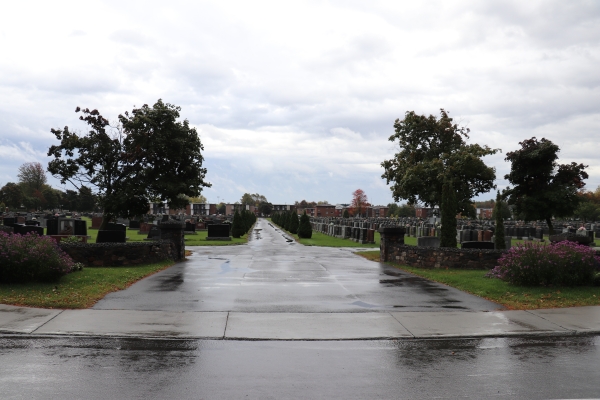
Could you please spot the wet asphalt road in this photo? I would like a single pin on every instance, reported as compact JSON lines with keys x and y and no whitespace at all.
{"x":110,"y":368}
{"x":275,"y":274}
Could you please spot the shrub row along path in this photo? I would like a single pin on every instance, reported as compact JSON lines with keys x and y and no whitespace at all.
{"x":273,"y":274}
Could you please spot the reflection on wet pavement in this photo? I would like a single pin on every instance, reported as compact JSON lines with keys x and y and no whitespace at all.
{"x":273,"y":273}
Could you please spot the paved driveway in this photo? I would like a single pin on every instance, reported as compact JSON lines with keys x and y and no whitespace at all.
{"x":272,"y":273}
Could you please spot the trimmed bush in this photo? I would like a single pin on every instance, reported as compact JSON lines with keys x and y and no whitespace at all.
{"x":237,"y":226}
{"x":304,"y":228}
{"x":31,"y":257}
{"x":294,"y":222}
{"x":533,"y":264}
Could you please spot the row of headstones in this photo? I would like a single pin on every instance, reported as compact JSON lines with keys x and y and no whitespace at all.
{"x":144,"y":224}
{"x":354,"y":233}
{"x":54,"y":226}
{"x":512,"y":228}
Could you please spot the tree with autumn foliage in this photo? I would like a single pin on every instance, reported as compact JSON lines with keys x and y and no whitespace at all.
{"x":359,"y":204}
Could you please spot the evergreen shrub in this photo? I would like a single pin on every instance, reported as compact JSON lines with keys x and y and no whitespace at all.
{"x":304,"y":227}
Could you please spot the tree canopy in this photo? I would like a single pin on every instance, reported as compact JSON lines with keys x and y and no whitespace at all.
{"x":11,"y":195}
{"x":542,"y":188}
{"x":432,"y":151}
{"x":149,"y":157}
{"x":32,"y":176}
{"x":252,"y":199}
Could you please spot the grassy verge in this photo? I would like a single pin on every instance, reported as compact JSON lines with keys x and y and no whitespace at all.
{"x":79,"y":289}
{"x":322,"y":240}
{"x":511,"y":296}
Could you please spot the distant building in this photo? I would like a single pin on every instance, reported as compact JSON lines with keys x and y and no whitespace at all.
{"x":484,"y":213}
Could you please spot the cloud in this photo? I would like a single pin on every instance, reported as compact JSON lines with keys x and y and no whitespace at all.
{"x":298,"y":100}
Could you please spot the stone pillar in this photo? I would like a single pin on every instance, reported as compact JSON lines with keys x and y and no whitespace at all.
{"x":390,"y":238}
{"x":173,"y":230}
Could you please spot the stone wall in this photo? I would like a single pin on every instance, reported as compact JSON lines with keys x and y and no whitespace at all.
{"x":393,"y":249}
{"x":120,"y":254}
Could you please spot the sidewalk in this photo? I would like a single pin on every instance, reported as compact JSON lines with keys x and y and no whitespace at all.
{"x":297,"y":326}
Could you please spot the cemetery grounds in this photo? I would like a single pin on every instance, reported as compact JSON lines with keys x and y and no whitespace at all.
{"x":84,"y":288}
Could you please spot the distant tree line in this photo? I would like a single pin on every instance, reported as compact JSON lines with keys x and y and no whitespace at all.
{"x":32,"y":192}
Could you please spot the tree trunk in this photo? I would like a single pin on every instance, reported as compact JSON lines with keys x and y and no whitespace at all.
{"x":448,"y":211}
{"x":105,"y":220}
{"x":550,"y":228}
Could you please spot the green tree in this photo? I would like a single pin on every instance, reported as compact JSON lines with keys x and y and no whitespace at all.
{"x":432,"y":151}
{"x":32,"y":176}
{"x":85,"y":200}
{"x":265,"y":208}
{"x":448,"y":211}
{"x":253,"y":199}
{"x":237,"y":225}
{"x":198,"y":199}
{"x":588,"y":211}
{"x":499,"y":218}
{"x":150,"y":157}
{"x":542,"y":188}
{"x":392,"y":210}
{"x":52,"y":197}
{"x":407,"y":210}
{"x":346,"y":213}
{"x":11,"y":194}
{"x":221,"y":208}
{"x":304,"y":227}
{"x":294,"y":223}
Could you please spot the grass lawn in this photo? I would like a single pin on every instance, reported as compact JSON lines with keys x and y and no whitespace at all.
{"x":511,"y":296}
{"x":322,"y":240}
{"x":79,"y":289}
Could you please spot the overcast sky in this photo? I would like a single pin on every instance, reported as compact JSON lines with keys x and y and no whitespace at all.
{"x":296,"y":100}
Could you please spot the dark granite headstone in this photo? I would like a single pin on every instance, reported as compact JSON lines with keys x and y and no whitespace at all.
{"x":25,"y":229}
{"x":52,"y":227}
{"x":116,"y":227}
{"x":154,"y":233}
{"x":80,"y":227}
{"x":189,"y":227}
{"x":115,"y":236}
{"x":134,"y":224}
{"x":8,"y":221}
{"x":218,"y":231}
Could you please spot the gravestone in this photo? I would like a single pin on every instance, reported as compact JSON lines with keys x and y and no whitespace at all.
{"x":9,"y":221}
{"x":218,"y":232}
{"x":96,"y":222}
{"x":80,"y":227}
{"x":153,"y":233}
{"x":190,"y":227}
{"x":25,"y":229}
{"x":114,"y":233}
{"x":145,"y":227}
{"x":111,"y":236}
{"x":133,"y":224}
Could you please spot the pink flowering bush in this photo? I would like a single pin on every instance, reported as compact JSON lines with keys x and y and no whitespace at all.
{"x":534,"y":264}
{"x":31,"y":258}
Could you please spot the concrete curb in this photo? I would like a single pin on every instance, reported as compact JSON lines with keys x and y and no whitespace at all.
{"x":31,"y":322}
